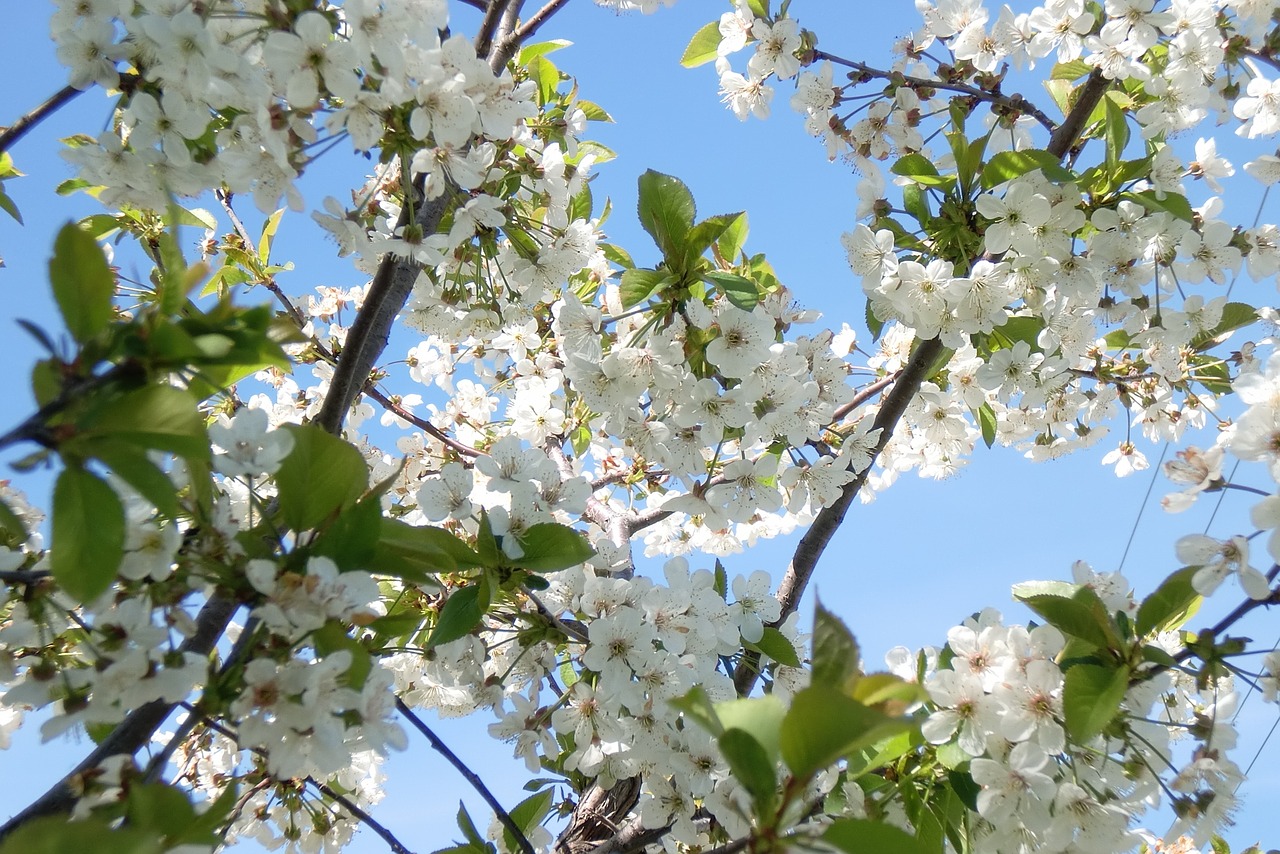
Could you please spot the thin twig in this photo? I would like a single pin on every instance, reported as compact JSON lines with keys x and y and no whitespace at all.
{"x":20,"y":128}
{"x":24,"y":576}
{"x":815,"y":540}
{"x":471,"y":777}
{"x":576,"y":631}
{"x":537,"y":19}
{"x":360,"y":815}
{"x":864,"y":394}
{"x":1009,"y":102}
{"x":421,"y":423}
{"x":396,"y":846}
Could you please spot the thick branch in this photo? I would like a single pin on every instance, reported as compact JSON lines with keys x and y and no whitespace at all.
{"x":1068,"y":133}
{"x":136,"y":730}
{"x":489,"y":26}
{"x":471,"y":777}
{"x":368,"y":335}
{"x":20,"y":128}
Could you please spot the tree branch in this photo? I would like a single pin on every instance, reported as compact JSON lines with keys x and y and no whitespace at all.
{"x":489,"y":26}
{"x":368,"y":335}
{"x":864,"y":394}
{"x":815,"y":540}
{"x":1009,"y":102}
{"x":1068,"y":133}
{"x":538,"y":18}
{"x":396,"y":846}
{"x":20,"y":128}
{"x":471,"y":777}
{"x":24,"y":576}
{"x":136,"y":729}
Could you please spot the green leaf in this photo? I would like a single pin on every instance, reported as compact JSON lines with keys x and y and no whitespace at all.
{"x":461,"y":613}
{"x":987,"y":421}
{"x":916,"y":203}
{"x":155,"y":806}
{"x":409,"y":551}
{"x":640,"y":283}
{"x":1117,"y":133}
{"x":544,"y":73}
{"x":332,"y":637}
{"x":863,"y":836}
{"x":914,"y":166}
{"x":1081,"y":614}
{"x":156,"y":418}
{"x":1172,"y":203}
{"x":1014,"y":329}
{"x":593,"y":111}
{"x":82,"y":283}
{"x":835,"y":651}
{"x":528,"y":814}
{"x":53,"y":834}
{"x":549,"y":547}
{"x":1170,"y":606}
{"x":702,"y":47}
{"x":775,"y":645}
{"x":1235,"y":315}
{"x":874,"y":324}
{"x":666,"y":211}
{"x":739,"y":290}
{"x":760,"y":717}
{"x":269,"y":229}
{"x":132,"y":465}
{"x":1091,"y":696}
{"x":203,"y":830}
{"x":468,"y":827}
{"x":697,"y":707}
{"x":824,"y":724}
{"x":351,"y":541}
{"x":9,"y":207}
{"x":321,"y":476}
{"x":1008,"y":165}
{"x":730,"y":243}
{"x":1073,"y":70}
{"x":529,"y":51}
{"x":751,"y":766}
{"x":88,"y":533}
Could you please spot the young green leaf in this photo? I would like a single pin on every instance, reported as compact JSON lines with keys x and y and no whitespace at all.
{"x":666,"y":211}
{"x":835,"y":651}
{"x":154,"y":418}
{"x":461,"y":613}
{"x":88,"y":533}
{"x":82,"y":283}
{"x":775,"y":645}
{"x":751,"y":766}
{"x":1171,"y":605}
{"x":702,"y":47}
{"x":321,"y":476}
{"x":640,"y":283}
{"x":549,"y":547}
{"x":824,"y":724}
{"x":1091,"y":697}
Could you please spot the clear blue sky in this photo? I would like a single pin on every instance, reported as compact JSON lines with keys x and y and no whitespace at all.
{"x":902,"y":570}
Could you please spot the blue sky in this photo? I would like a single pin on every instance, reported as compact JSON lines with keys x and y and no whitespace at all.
{"x":902,"y":570}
